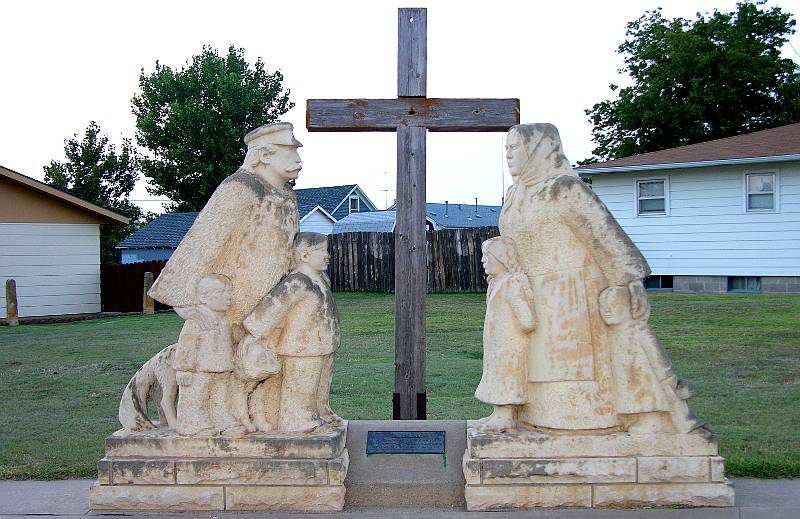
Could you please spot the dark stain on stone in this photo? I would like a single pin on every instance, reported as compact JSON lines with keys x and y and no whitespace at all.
{"x":249,"y":180}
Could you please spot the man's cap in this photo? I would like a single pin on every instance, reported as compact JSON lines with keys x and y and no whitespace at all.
{"x":275,"y":133}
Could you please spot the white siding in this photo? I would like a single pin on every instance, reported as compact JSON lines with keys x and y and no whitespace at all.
{"x":707,"y":230}
{"x":56,"y":267}
{"x":316,"y":221}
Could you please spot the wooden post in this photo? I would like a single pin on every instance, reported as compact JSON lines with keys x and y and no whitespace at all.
{"x":410,"y":276}
{"x":412,"y":52}
{"x":12,"y":310}
{"x":148,"y":303}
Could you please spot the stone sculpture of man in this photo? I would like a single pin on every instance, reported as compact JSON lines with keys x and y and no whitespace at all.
{"x":593,"y":363}
{"x":298,"y":318}
{"x":244,"y":232}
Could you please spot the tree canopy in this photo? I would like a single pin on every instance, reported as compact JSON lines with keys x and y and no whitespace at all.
{"x":716,"y":76}
{"x":93,"y":171}
{"x":193,"y":120}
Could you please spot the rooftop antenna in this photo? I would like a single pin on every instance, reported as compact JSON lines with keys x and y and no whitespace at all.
{"x":385,"y":189}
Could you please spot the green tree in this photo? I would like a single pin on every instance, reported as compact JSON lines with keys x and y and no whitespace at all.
{"x":192,"y":121}
{"x":717,"y":76}
{"x":93,"y":171}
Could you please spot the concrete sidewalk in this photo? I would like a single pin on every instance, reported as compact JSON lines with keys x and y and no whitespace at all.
{"x":755,"y":499}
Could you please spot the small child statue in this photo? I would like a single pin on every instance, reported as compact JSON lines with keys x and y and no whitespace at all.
{"x":509,"y":320}
{"x":300,"y":322}
{"x":204,"y":361}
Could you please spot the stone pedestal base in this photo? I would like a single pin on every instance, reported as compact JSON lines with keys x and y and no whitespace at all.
{"x":529,"y":469}
{"x":159,"y":470}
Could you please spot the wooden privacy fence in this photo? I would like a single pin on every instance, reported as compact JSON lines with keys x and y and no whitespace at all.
{"x":359,"y":261}
{"x":121,"y":286}
{"x":365,"y":261}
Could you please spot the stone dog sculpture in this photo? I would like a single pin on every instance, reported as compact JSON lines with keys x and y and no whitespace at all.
{"x":591,"y":361}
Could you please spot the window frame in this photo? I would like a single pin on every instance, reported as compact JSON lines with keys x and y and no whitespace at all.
{"x":775,"y":191}
{"x":743,"y":290}
{"x":350,"y":204}
{"x":638,"y":180}
{"x":660,"y":287}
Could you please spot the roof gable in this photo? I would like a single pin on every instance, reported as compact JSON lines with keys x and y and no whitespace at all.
{"x":783,"y":141}
{"x":327,"y":198}
{"x":42,"y":189}
{"x":321,"y":211}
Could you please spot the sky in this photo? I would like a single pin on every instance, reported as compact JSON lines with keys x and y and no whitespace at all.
{"x":65,"y":64}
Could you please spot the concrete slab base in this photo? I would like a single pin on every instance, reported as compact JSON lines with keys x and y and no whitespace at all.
{"x":405,"y":480}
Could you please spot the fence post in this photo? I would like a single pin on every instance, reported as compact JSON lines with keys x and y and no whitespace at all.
{"x":148,"y":303}
{"x":12,"y":312}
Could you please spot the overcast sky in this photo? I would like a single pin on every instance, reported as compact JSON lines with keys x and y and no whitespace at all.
{"x":67,"y":63}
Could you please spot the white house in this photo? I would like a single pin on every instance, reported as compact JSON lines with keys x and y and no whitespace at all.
{"x":718,"y":216}
{"x":50,"y":246}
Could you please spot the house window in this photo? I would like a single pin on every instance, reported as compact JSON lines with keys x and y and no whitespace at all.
{"x":760,"y":191}
{"x":651,"y":197}
{"x":354,"y":204}
{"x":744,"y":284}
{"x":658,"y":283}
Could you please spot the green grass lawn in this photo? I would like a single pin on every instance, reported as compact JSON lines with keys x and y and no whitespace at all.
{"x":60,"y":383}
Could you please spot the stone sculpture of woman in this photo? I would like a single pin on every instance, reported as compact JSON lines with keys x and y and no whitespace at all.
{"x":592,"y":361}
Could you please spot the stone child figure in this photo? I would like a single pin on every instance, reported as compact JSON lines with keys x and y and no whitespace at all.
{"x":299,"y":318}
{"x":204,"y":362}
{"x":509,"y":320}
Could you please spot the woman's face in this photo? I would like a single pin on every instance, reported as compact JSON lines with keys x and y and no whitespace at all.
{"x":515,"y":154}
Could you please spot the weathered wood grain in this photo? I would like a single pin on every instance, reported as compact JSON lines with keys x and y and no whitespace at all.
{"x":386,"y":115}
{"x":12,"y":311}
{"x":412,"y":52}
{"x":410,"y":273}
{"x":148,"y":303}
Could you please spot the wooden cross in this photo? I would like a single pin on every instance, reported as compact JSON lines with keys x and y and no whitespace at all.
{"x":410,"y":115}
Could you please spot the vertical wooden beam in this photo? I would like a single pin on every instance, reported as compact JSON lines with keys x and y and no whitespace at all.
{"x":12,"y":311}
{"x":410,"y":276}
{"x":148,"y":304}
{"x":412,"y":52}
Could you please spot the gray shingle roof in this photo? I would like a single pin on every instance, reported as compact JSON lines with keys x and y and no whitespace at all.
{"x":373,"y":221}
{"x":449,"y":216}
{"x":326,"y":197}
{"x":167,"y":231}
{"x":445,"y":216}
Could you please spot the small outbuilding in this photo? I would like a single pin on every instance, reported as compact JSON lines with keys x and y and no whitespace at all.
{"x":717,"y":216}
{"x":50,"y":246}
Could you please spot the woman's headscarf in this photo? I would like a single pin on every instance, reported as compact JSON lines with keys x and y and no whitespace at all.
{"x":545,"y":158}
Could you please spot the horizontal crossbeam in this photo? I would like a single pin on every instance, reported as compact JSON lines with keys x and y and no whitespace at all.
{"x":437,"y":115}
